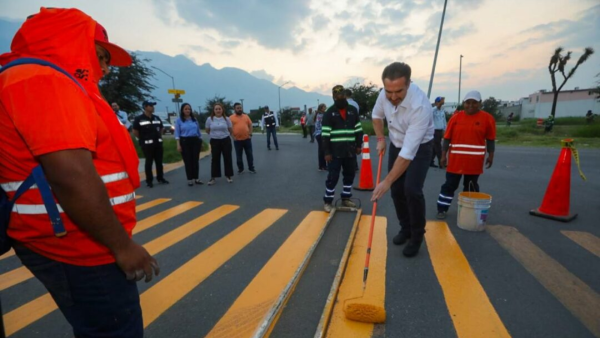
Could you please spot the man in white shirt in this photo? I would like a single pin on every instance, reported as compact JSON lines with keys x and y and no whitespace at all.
{"x":410,"y":122}
{"x":439,"y":125}
{"x":121,"y":115}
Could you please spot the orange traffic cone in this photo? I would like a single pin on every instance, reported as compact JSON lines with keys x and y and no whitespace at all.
{"x":366,"y":172}
{"x":557,"y":198}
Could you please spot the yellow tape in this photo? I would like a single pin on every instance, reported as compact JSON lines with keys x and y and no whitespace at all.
{"x":570,"y":143}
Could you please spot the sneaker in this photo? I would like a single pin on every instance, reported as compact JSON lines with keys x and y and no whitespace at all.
{"x":328,"y":207}
{"x":252,"y":171}
{"x":412,"y":248}
{"x":149,"y":184}
{"x":348,"y":204}
{"x":229,"y":180}
{"x":240,"y":171}
{"x":400,"y":238}
{"x":441,"y":215}
{"x":190,"y":182}
{"x":163,"y":181}
{"x":211,"y":181}
{"x":269,"y":148}
{"x":198,"y":182}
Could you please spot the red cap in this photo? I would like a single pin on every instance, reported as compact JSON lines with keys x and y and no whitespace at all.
{"x":118,"y":55}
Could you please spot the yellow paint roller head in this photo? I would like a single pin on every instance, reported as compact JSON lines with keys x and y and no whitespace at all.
{"x":362,"y":311}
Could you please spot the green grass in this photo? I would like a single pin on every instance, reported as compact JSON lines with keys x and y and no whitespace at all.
{"x":170,"y":154}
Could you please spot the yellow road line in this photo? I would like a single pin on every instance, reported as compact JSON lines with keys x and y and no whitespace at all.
{"x":151,"y":204}
{"x":137,"y":197}
{"x":14,"y":277}
{"x":352,"y":284}
{"x":27,"y":317}
{"x":170,"y":289}
{"x":21,"y":317}
{"x":261,"y":296}
{"x":581,"y":300}
{"x":9,"y":253}
{"x":470,"y":309}
{"x":588,"y":241}
{"x":151,"y":221}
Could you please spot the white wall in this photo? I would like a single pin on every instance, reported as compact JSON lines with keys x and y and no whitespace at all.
{"x":567,"y":108}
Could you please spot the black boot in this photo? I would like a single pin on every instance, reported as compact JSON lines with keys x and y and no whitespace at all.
{"x":401,"y":238}
{"x":412,"y":248}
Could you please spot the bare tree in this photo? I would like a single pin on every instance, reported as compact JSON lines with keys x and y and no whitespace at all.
{"x":557,"y":64}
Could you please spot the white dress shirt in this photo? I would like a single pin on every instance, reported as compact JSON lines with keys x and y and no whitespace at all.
{"x":354,"y":104}
{"x":123,"y":118}
{"x":410,"y":124}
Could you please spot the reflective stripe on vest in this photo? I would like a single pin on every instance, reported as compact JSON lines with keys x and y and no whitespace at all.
{"x":40,"y":209}
{"x":13,"y":186}
{"x":463,"y":149}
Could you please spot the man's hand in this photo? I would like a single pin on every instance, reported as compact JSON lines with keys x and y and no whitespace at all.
{"x":178,"y":148}
{"x":136,"y":262}
{"x":381,"y":147}
{"x":489,"y":161}
{"x":328,"y":158}
{"x":358,"y":150}
{"x":380,"y":190}
{"x":443,"y":161}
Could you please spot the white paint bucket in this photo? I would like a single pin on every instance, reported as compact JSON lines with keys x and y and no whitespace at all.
{"x":473,"y":210}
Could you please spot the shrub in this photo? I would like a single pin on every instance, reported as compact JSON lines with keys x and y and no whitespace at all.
{"x":587,"y":131}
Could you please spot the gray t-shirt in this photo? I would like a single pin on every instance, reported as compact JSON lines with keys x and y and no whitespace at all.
{"x":310,"y":119}
{"x":219,"y":127}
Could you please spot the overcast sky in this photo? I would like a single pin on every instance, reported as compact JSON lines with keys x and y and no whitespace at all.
{"x":316,"y":44}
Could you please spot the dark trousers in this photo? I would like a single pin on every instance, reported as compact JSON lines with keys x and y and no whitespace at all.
{"x":153,"y":153}
{"x":311,"y":131}
{"x":449,"y":187}
{"x":321,"y":153}
{"x":304,"y":130}
{"x":220,"y":147}
{"x":190,"y":152}
{"x":241,"y":147}
{"x":98,"y":301}
{"x":272,"y":131}
{"x":407,"y":191}
{"x":438,"y":134}
{"x":346,"y":165}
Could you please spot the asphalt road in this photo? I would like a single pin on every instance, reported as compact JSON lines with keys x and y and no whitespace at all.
{"x":416,"y":305}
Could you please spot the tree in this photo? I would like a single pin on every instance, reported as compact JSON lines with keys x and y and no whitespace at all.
{"x":210,"y":103}
{"x":365,"y":96}
{"x":128,"y":86}
{"x":557,"y":64}
{"x":287,"y":116}
{"x":598,"y":87}
{"x":490,"y":105}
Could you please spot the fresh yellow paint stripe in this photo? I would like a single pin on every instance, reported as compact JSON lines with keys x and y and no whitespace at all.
{"x":352,"y":284}
{"x":170,"y":289}
{"x":581,"y":300}
{"x":261,"y":296}
{"x":14,"y":277}
{"x":588,"y":241}
{"x":151,"y":221}
{"x":21,"y":317}
{"x":151,"y":204}
{"x":9,"y":253}
{"x":27,"y":317}
{"x":470,"y":309}
{"x":137,"y":197}
{"x":174,"y":236}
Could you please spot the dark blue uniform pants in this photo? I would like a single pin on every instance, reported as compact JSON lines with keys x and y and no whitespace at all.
{"x":153,"y":153}
{"x":272,"y":131}
{"x":346,"y":165}
{"x":449,"y":187}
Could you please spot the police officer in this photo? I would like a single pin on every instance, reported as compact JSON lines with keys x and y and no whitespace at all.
{"x":269,"y":122}
{"x":148,"y":129}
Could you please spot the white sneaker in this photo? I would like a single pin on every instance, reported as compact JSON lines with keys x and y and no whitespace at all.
{"x":348,"y":204}
{"x":328,"y":207}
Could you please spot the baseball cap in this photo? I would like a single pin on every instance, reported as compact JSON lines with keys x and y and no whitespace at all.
{"x":439,"y":98}
{"x":118,"y":55}
{"x":473,"y":95}
{"x":337,"y":89}
{"x":148,"y":103}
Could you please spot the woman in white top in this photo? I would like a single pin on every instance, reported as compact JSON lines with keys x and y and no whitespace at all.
{"x":219,"y":128}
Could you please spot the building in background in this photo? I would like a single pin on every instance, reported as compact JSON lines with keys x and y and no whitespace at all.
{"x":570,"y":103}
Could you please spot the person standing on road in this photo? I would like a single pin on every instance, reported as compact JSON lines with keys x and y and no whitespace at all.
{"x":303,"y":125}
{"x":189,"y":143}
{"x":310,"y":124}
{"x":270,"y":123}
{"x":121,"y":115}
{"x":470,"y":133}
{"x":342,"y":139}
{"x":85,"y":258}
{"x":410,"y":121}
{"x":242,"y":138}
{"x":148,"y":128}
{"x":439,"y":125}
{"x":318,"y":129}
{"x":219,"y":128}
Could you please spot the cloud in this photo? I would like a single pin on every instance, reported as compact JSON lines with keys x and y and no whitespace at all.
{"x":319,"y":22}
{"x":199,"y":48}
{"x":271,"y":23}
{"x":229,"y":44}
{"x":262,"y":74}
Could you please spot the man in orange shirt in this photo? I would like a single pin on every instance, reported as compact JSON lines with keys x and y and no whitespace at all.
{"x":242,"y":138}
{"x":53,"y":115}
{"x":469,"y":134}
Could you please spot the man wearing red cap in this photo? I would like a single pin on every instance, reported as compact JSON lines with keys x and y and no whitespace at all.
{"x":54,"y":120}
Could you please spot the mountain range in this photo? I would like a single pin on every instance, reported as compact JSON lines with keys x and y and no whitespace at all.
{"x":202,"y":82}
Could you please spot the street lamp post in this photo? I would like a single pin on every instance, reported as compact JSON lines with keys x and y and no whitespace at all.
{"x":437,"y":48}
{"x":172,"y":79}
{"x":318,"y":103}
{"x":279,"y":94}
{"x":242,"y":104}
{"x":459,"y":80}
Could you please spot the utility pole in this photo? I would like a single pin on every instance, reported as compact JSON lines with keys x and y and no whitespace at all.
{"x":172,"y":79}
{"x":279,"y":95}
{"x":459,"y":80}
{"x":437,"y":48}
{"x":242,"y":104}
